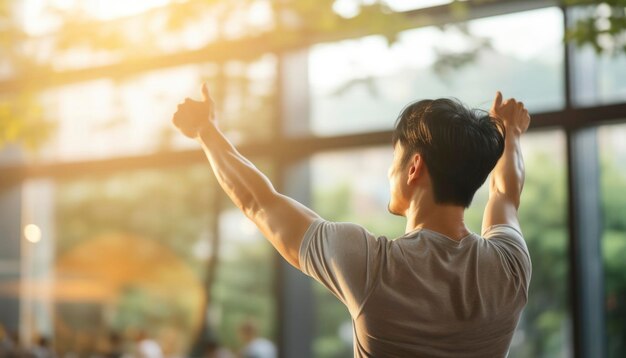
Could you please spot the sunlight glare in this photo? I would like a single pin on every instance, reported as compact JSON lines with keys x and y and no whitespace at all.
{"x":36,"y":19}
{"x":111,"y":9}
{"x":32,"y":233}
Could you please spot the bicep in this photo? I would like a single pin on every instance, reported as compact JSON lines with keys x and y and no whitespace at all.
{"x":500,"y":210}
{"x":283,"y":221}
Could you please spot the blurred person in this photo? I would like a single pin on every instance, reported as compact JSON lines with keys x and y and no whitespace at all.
{"x":213,"y":349}
{"x":254,"y":345}
{"x":439,"y":290}
{"x":115,"y":346}
{"x":147,"y":347}
{"x":42,"y":349}
{"x":84,"y":344}
{"x":17,"y":349}
{"x":7,"y":345}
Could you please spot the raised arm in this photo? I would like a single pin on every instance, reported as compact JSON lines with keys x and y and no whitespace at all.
{"x":507,"y":178}
{"x":282,"y":220}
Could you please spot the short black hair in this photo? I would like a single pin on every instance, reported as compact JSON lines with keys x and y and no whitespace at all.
{"x":460,"y":146}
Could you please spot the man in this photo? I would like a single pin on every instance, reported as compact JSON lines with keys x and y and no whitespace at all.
{"x":437,"y":291}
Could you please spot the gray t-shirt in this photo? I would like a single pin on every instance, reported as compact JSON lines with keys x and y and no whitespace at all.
{"x":423,"y":294}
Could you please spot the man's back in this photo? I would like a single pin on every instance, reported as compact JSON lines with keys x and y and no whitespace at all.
{"x":423,"y":294}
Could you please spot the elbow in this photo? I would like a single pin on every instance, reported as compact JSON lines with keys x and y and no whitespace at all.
{"x":514,"y":199}
{"x":509,"y":189}
{"x":253,"y":204}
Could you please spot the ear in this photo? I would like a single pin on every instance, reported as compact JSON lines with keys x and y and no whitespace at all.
{"x":416,"y":168}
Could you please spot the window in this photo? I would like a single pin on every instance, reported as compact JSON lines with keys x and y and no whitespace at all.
{"x":244,"y":287}
{"x":105,"y":118}
{"x":598,"y":79}
{"x":131,"y":252}
{"x":361,"y":85}
{"x":139,"y":237}
{"x":611,"y":78}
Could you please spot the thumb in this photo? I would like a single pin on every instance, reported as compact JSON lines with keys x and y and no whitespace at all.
{"x":205,"y":93}
{"x":497,"y":102}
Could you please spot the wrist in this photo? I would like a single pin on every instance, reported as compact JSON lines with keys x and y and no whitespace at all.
{"x":205,"y":131}
{"x":513,"y":132}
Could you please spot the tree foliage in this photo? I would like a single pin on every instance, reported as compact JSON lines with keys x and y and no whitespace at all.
{"x":600,"y":24}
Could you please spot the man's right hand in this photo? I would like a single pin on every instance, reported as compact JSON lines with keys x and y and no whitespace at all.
{"x":512,"y":113}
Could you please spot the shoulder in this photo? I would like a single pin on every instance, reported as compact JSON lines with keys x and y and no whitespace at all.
{"x":510,"y":245}
{"x":344,"y":257}
{"x":506,"y":235}
{"x":327,"y":234}
{"x":325,"y":227}
{"x":339,"y":245}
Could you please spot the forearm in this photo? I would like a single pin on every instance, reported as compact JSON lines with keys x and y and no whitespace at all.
{"x":507,"y":177}
{"x":239,"y":178}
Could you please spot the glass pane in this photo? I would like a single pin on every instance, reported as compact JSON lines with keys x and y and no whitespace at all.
{"x":357,"y":181}
{"x":613,"y":191}
{"x":131,"y":253}
{"x":361,"y":85}
{"x":127,"y":257}
{"x":105,"y":118}
{"x":599,"y":79}
{"x":353,"y":186}
{"x":612,"y":78}
{"x":244,"y":288}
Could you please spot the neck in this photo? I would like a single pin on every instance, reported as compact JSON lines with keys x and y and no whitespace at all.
{"x":424,"y":213}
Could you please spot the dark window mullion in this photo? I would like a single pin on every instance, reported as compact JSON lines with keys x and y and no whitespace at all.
{"x":295,"y":304}
{"x":585,"y":224}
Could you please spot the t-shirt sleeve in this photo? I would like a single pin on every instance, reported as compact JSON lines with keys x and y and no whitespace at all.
{"x":513,"y":251}
{"x":344,"y":257}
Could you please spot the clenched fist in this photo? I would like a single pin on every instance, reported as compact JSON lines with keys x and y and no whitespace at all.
{"x":192,"y":116}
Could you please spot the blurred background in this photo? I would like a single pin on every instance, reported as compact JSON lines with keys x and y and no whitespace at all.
{"x":115,"y":238}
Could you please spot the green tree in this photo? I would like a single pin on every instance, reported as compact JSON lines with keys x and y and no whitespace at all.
{"x":613,"y":184}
